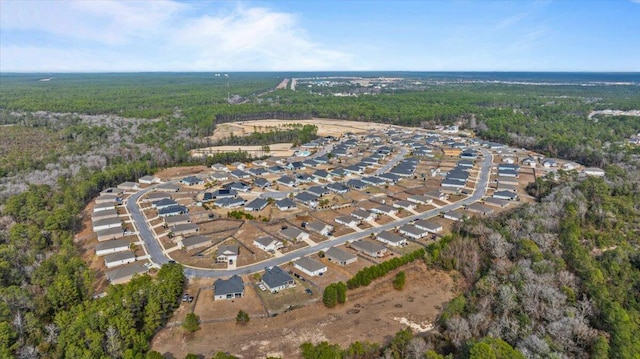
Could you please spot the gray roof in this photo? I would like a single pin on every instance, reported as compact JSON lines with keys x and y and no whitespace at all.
{"x":306,"y":197}
{"x":177,"y":219}
{"x":276,"y":277}
{"x":165,"y":202}
{"x":318,"y":190}
{"x":185,"y":227}
{"x":309,"y":264}
{"x":427,"y":224}
{"x":228,"y":248}
{"x":257,"y":203}
{"x":285,"y":203}
{"x":266,"y":240}
{"x":225,"y":202}
{"x":112,"y":244}
{"x":291,"y":232}
{"x":391,"y":237}
{"x":361,"y":213}
{"x":356,"y":183}
{"x":232,"y":285}
{"x":412,"y":229}
{"x":107,"y":222}
{"x":338,"y":187}
{"x":126,"y":271}
{"x":173,"y":209}
{"x":317,"y":226}
{"x":339,"y":254}
{"x":119,"y":256}
{"x":195,"y":240}
{"x":367,"y":246}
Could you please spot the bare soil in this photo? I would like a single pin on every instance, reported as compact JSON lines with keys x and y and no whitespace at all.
{"x":373,"y":313}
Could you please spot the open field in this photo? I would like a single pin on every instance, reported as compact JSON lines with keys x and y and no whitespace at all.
{"x":372,"y":313}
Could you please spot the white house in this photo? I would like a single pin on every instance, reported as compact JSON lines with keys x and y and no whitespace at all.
{"x":429,"y":226}
{"x":310,"y":267}
{"x":340,"y":257}
{"x":347,"y":221}
{"x":294,"y":234}
{"x":107,"y":223}
{"x":114,"y":246}
{"x":320,"y":227}
{"x":227,"y":254}
{"x":593,"y":171}
{"x":275,"y":279}
{"x":267,"y":243}
{"x":118,"y":259}
{"x":413,"y":231}
{"x":391,"y":239}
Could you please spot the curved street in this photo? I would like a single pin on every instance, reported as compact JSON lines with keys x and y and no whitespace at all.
{"x":157,"y":256}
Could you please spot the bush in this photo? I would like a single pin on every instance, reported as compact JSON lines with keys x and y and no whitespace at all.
{"x":398,"y":282}
{"x":242,"y":318}
{"x":191,"y":323}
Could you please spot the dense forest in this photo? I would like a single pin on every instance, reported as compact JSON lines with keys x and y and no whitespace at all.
{"x":560,"y":278}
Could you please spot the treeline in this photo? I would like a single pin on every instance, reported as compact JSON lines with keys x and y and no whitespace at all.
{"x":366,"y":275}
{"x":46,"y":306}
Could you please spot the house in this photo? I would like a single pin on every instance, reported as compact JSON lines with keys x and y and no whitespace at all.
{"x":320,"y":227}
{"x":118,"y":259}
{"x":413,"y":231}
{"x":465,"y":164}
{"x":303,"y":178}
{"x":238,"y":165}
{"x":109,"y":198}
{"x":373,"y":181}
{"x":337,"y":188}
{"x":172,"y":211}
{"x":508,"y":180}
{"x":369,"y":248}
{"x":219,"y":194}
{"x":389,"y":177}
{"x":192,"y":181}
{"x":164,"y":203}
{"x":455,"y":216}
{"x":230,"y":202}
{"x":128,"y":186}
{"x":231,"y":288}
{"x":347,"y":221}
{"x":323,"y":160}
{"x":114,"y":246}
{"x":275,"y":169}
{"x":321,"y":175}
{"x":310,"y":267}
{"x":469,"y":154}
{"x":529,"y":161}
{"x":507,"y":187}
{"x":220,"y":167}
{"x":593,"y":171}
{"x":437,"y":195}
{"x":508,"y":173}
{"x":391,"y":238}
{"x":384,"y":209}
{"x":339,"y":256}
{"x":148,"y":180}
{"x":258,"y":171}
{"x":111,"y":233}
{"x":267,"y":243}
{"x":307,"y":198}
{"x":238,"y":186}
{"x":452,"y":183}
{"x":103,"y":207}
{"x":294,"y":234}
{"x":508,"y":195}
{"x":195,"y":242}
{"x":155,"y":196}
{"x":428,"y":225}
{"x":184,"y":229}
{"x":318,"y":190}
{"x":286,"y":204}
{"x":502,"y":203}
{"x":168,"y":187}
{"x":295,"y":166}
{"x":227,"y":254}
{"x":480,"y":209}
{"x":287,"y":181}
{"x":404,"y":205}
{"x":240,"y":174}
{"x":257,"y":204}
{"x":219,"y":176}
{"x":125,"y":273}
{"x":261,"y":183}
{"x":338,"y":172}
{"x":276,"y":279}
{"x":549,"y":162}
{"x":418,"y":199}
{"x":356,"y":183}
{"x":109,"y":213}
{"x":364,"y":215}
{"x":353,"y":169}
{"x":107,"y":223}
{"x":176,"y":220}
{"x":570,"y":166}
{"x":402,"y":170}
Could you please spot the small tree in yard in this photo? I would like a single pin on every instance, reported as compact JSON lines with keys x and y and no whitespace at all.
{"x":398,"y":282}
{"x":242,"y":317}
{"x":191,"y":323}
{"x":330,"y":296}
{"x":341,"y":290}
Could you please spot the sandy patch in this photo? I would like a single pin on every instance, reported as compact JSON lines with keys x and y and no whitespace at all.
{"x":276,"y":149}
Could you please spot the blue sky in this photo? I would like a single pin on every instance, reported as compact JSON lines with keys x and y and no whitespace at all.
{"x":159,"y":35}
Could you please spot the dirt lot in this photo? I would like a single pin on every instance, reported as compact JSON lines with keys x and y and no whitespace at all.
{"x":276,"y":149}
{"x":373,"y":313}
{"x":181,"y":171}
{"x":326,"y":127}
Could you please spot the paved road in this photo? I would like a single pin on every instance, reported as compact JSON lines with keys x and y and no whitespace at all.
{"x":393,"y":162}
{"x":156,"y":255}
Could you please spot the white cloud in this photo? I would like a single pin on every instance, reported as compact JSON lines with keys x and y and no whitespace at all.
{"x":157,"y":35}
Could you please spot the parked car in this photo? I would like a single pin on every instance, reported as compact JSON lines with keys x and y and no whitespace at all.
{"x":187,"y":298}
{"x":308,"y":291}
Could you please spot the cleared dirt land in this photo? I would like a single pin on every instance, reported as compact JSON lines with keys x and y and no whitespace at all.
{"x":374,"y":313}
{"x":276,"y":149}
